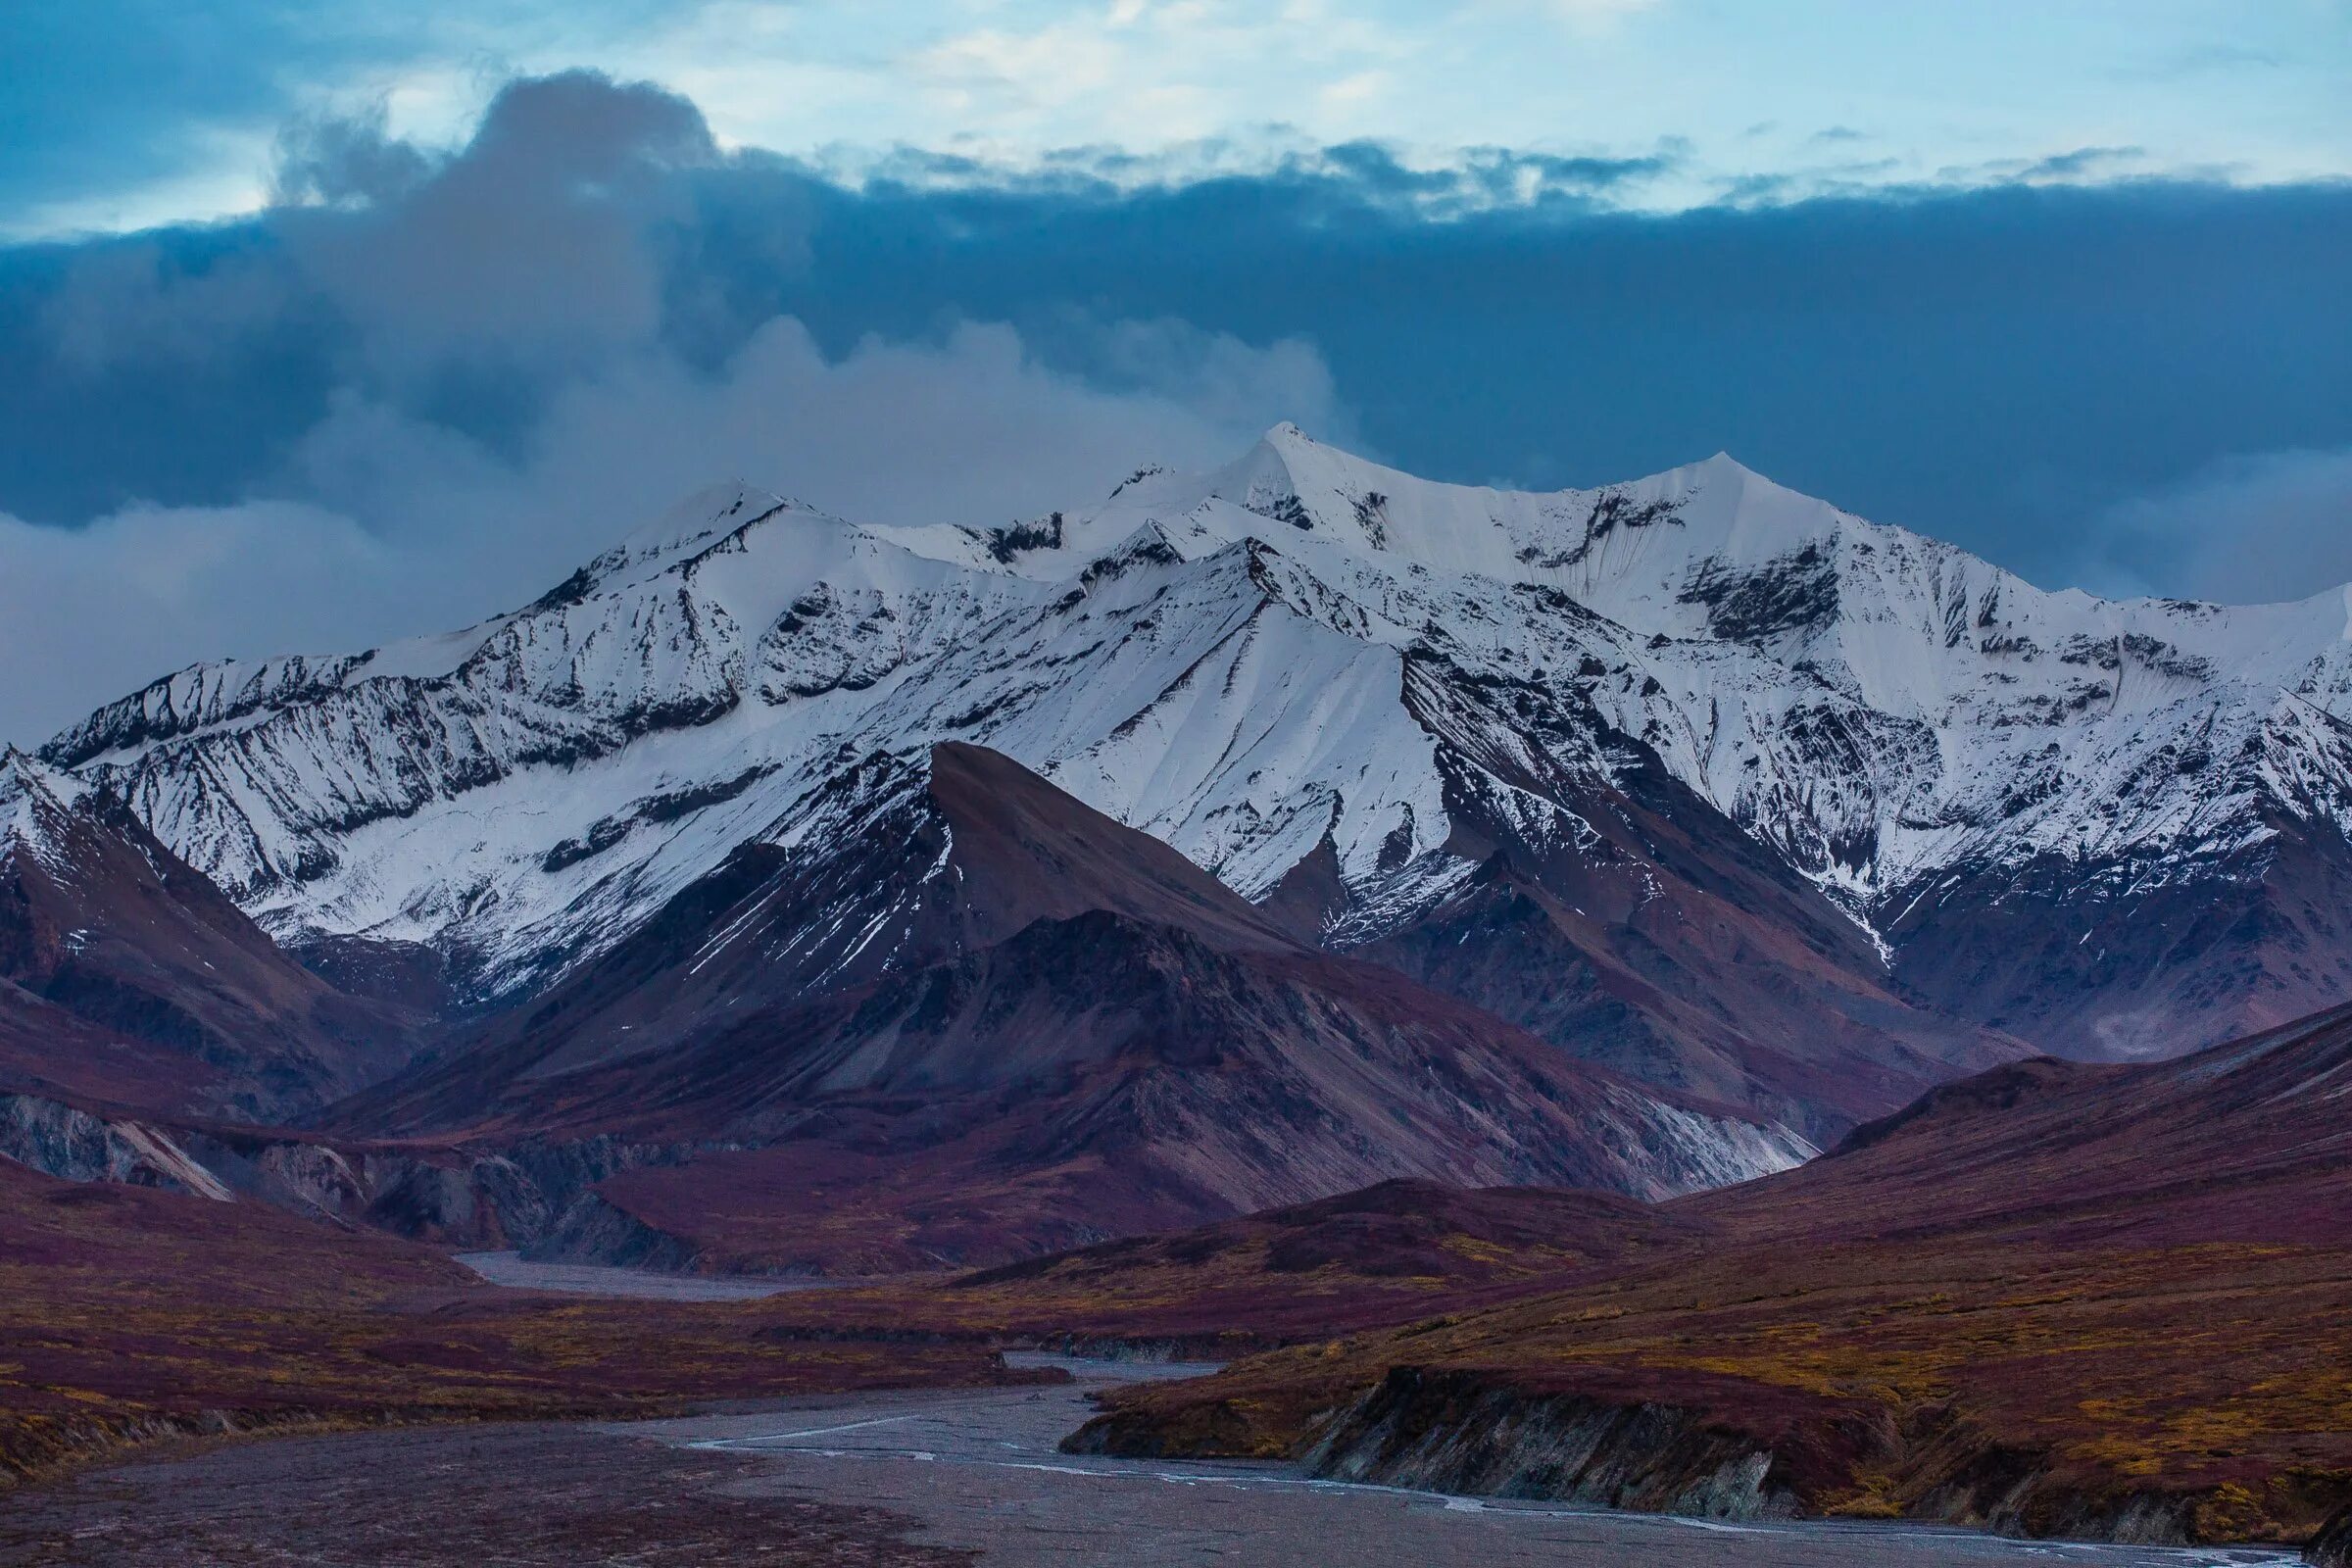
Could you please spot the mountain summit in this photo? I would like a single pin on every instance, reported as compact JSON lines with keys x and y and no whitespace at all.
{"x":1736,"y":792}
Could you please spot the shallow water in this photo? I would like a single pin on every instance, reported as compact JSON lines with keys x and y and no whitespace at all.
{"x":512,"y":1270}
{"x":982,"y":1470}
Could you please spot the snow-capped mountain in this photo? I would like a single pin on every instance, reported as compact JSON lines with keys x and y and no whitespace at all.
{"x":1713,"y":727}
{"x":1075,"y":1033}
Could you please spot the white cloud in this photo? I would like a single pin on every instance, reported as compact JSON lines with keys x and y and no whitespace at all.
{"x":2260,"y":529}
{"x":1352,"y":95}
{"x":524,"y":271}
{"x":1598,"y":13}
{"x":387,"y":526}
{"x":1046,"y":69}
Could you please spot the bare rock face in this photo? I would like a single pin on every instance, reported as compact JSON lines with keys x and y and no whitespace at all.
{"x":2332,"y":1547}
{"x":66,"y":1141}
{"x":1447,"y":1434}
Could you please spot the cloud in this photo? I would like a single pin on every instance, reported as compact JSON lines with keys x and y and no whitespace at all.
{"x":406,"y":526}
{"x":2081,"y":162}
{"x":535,"y":244}
{"x":347,"y":159}
{"x":511,"y":360}
{"x":430,"y":382}
{"x":1477,"y":179}
{"x":132,"y":110}
{"x":1997,"y":366}
{"x":2200,"y":60}
{"x":98,"y":610}
{"x":2257,"y":528}
{"x":1148,"y":71}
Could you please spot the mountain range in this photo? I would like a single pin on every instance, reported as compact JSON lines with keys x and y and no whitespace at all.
{"x":1247,"y":837}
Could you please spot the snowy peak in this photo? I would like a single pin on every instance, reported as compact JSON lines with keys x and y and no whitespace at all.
{"x":222,"y":693}
{"x":36,"y":804}
{"x":1291,"y":491}
{"x":1302,"y":667}
{"x":702,"y":522}
{"x":699,"y":519}
{"x":25,"y":778}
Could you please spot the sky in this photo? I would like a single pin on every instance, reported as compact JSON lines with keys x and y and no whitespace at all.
{"x":322,"y":325}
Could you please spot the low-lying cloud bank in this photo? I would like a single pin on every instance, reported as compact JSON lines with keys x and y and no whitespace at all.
{"x":421,"y":387}
{"x":418,"y":393}
{"x":2243,"y":529}
{"x":388,"y":524}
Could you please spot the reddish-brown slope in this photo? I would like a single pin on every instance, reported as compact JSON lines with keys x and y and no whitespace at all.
{"x":1655,"y":936}
{"x":2053,"y":1297}
{"x":920,"y":870}
{"x":2247,"y":1142}
{"x":1389,"y":1253}
{"x":127,"y":1313}
{"x":48,"y":1052}
{"x":1081,"y":1036}
{"x":2133,"y":963}
{"x":1096,"y":1077}
{"x":158,"y":992}
{"x":1030,"y":852}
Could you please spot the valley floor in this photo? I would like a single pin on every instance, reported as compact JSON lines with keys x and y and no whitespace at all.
{"x":920,"y":1479}
{"x":514,"y":1270}
{"x":471,"y":1496}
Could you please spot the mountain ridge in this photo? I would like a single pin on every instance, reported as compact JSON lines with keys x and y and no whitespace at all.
{"x":982,"y":1020}
{"x":1999,"y":792}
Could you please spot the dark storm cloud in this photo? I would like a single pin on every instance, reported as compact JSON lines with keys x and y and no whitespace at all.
{"x":339,"y":160}
{"x":2001,"y":368}
{"x":2273,"y":525}
{"x":423,"y":383}
{"x":426,"y":388}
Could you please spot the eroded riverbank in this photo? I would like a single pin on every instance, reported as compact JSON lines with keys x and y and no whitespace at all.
{"x":982,"y":1471}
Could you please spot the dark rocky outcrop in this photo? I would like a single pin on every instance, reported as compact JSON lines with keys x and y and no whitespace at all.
{"x":592,"y":1230}
{"x":2332,"y":1547}
{"x":1447,"y":1433}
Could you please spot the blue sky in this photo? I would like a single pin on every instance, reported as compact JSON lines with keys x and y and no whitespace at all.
{"x":324,"y":324}
{"x":140,"y":112}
